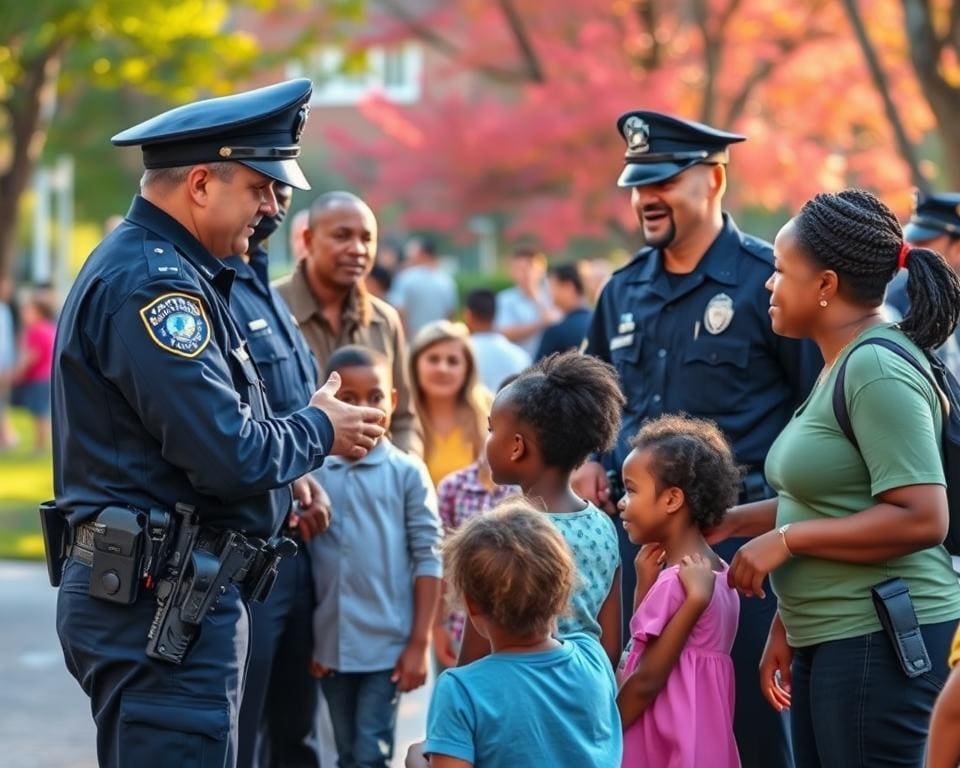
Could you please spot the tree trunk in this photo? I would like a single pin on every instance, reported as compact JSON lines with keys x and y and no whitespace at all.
{"x":943,"y":98}
{"x":904,"y":145}
{"x":28,"y":133}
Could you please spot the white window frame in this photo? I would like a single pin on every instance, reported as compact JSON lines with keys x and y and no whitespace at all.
{"x":331,"y":88}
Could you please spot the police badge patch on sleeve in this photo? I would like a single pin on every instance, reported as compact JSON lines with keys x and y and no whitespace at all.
{"x":177,"y":323}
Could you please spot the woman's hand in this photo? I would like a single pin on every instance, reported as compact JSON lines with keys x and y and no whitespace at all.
{"x":775,"y":676}
{"x":697,"y":578}
{"x":754,"y":561}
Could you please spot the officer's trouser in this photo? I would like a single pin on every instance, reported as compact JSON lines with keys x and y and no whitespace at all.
{"x":150,"y":713}
{"x":762,"y":734}
{"x":278,"y":715}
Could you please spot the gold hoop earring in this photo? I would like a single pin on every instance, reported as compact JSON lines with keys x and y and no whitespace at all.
{"x":823,"y":303}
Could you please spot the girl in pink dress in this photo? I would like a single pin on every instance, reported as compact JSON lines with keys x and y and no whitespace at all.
{"x":676,"y":676}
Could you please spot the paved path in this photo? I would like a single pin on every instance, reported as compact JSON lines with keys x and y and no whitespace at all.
{"x":45,"y":720}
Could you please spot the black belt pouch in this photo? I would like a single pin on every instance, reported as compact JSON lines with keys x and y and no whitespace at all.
{"x":54,"y":528}
{"x":894,"y":607}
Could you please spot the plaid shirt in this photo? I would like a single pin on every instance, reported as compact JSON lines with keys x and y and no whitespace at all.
{"x":460,"y":496}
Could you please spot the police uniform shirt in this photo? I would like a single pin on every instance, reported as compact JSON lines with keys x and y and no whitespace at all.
{"x":155,"y":397}
{"x":273,"y":340}
{"x":896,"y":306}
{"x":702,"y":343}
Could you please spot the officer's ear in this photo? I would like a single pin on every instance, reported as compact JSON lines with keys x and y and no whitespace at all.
{"x":198,"y":184}
{"x":718,"y":179}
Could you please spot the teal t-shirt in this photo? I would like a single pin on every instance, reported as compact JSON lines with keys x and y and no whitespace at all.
{"x":592,"y":538}
{"x":555,"y":708}
{"x":818,"y":473}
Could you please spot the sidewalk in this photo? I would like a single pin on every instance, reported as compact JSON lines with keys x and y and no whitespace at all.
{"x":46,"y":720}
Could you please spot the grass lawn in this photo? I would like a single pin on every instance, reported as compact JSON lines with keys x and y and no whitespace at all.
{"x":26,"y":479}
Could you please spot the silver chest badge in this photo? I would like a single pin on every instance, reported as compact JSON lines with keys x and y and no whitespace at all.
{"x":719,"y":314}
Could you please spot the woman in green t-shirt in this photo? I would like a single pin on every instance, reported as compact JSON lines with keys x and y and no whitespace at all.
{"x":846,"y":519}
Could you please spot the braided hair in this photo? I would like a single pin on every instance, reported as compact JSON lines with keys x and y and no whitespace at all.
{"x":858,"y":237}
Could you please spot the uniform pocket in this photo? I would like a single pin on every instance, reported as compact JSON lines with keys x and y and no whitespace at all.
{"x":715,"y":375}
{"x":625,"y":355}
{"x":173,"y":729}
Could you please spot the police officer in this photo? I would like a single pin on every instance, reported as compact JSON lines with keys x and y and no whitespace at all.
{"x":156,"y":403}
{"x":685,"y":324}
{"x":935,"y":224}
{"x":278,"y":713}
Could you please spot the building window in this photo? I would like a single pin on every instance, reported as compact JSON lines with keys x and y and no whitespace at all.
{"x":393,"y":72}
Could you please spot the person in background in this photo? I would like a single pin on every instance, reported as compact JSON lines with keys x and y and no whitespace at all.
{"x":525,"y":310}
{"x":452,"y":403}
{"x":378,"y":282}
{"x":935,"y":224}
{"x":423,"y":291}
{"x":327,"y":296}
{"x":31,"y":374}
{"x":599,"y":271}
{"x":8,"y":359}
{"x":299,"y":224}
{"x":497,"y":357}
{"x":568,"y":293}
{"x":377,"y":574}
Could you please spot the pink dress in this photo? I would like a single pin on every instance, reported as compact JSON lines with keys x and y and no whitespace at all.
{"x":690,"y":723}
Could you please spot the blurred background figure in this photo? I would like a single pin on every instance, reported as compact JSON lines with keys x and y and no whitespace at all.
{"x":935,"y":224}
{"x":378,"y":282}
{"x":568,"y":292}
{"x":31,"y":373}
{"x":598,"y":271}
{"x":111,"y":223}
{"x":8,"y":358}
{"x":452,"y":403}
{"x":423,"y":292}
{"x":497,"y":357}
{"x":299,"y":223}
{"x":525,"y":310}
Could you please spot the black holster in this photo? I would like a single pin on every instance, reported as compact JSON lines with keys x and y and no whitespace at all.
{"x":891,"y":599}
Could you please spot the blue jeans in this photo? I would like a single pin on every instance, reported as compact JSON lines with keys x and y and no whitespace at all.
{"x":854,"y":707}
{"x":363,"y":712}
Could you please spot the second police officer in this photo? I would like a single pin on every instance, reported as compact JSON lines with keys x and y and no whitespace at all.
{"x":685,"y":324}
{"x":278,"y":714}
{"x":156,"y":403}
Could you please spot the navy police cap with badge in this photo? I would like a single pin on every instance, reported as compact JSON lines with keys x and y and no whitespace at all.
{"x":660,"y":146}
{"x":933,"y":216}
{"x":259,"y":128}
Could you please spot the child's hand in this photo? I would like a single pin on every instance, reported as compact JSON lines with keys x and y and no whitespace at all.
{"x":649,"y":562}
{"x":410,"y":671}
{"x":318,"y":670}
{"x":444,"y":646}
{"x":697,"y":578}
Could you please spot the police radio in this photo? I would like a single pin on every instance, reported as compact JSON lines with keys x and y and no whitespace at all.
{"x":118,"y":546}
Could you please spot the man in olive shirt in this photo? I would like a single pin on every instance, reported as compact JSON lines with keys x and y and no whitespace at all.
{"x":329,"y":302}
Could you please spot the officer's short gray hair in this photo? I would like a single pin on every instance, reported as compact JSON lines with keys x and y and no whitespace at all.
{"x":172,"y":177}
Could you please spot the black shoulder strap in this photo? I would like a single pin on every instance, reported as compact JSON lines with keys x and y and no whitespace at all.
{"x":840,"y":410}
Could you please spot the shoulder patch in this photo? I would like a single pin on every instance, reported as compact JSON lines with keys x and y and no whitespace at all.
{"x":177,"y":322}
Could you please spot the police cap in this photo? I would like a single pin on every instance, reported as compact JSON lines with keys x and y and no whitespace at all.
{"x":259,"y":128}
{"x":933,"y":216}
{"x":661,"y":146}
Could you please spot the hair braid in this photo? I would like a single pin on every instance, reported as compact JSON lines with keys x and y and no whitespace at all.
{"x":857,"y":236}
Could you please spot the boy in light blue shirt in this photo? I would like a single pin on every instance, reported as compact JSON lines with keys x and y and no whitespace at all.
{"x":376,"y":575}
{"x":534,"y":700}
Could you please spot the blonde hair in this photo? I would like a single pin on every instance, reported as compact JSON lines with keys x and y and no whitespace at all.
{"x":514,"y":565}
{"x":473,"y":400}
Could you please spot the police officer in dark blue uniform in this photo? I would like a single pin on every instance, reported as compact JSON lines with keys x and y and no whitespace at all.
{"x":685,"y":324}
{"x":167,"y":462}
{"x":278,"y":713}
{"x":935,"y":224}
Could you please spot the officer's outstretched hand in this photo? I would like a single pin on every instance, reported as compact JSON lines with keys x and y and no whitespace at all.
{"x":356,"y":429}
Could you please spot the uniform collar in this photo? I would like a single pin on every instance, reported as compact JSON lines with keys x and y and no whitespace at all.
{"x":381,"y":451}
{"x":720,"y":263}
{"x":145,"y":214}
